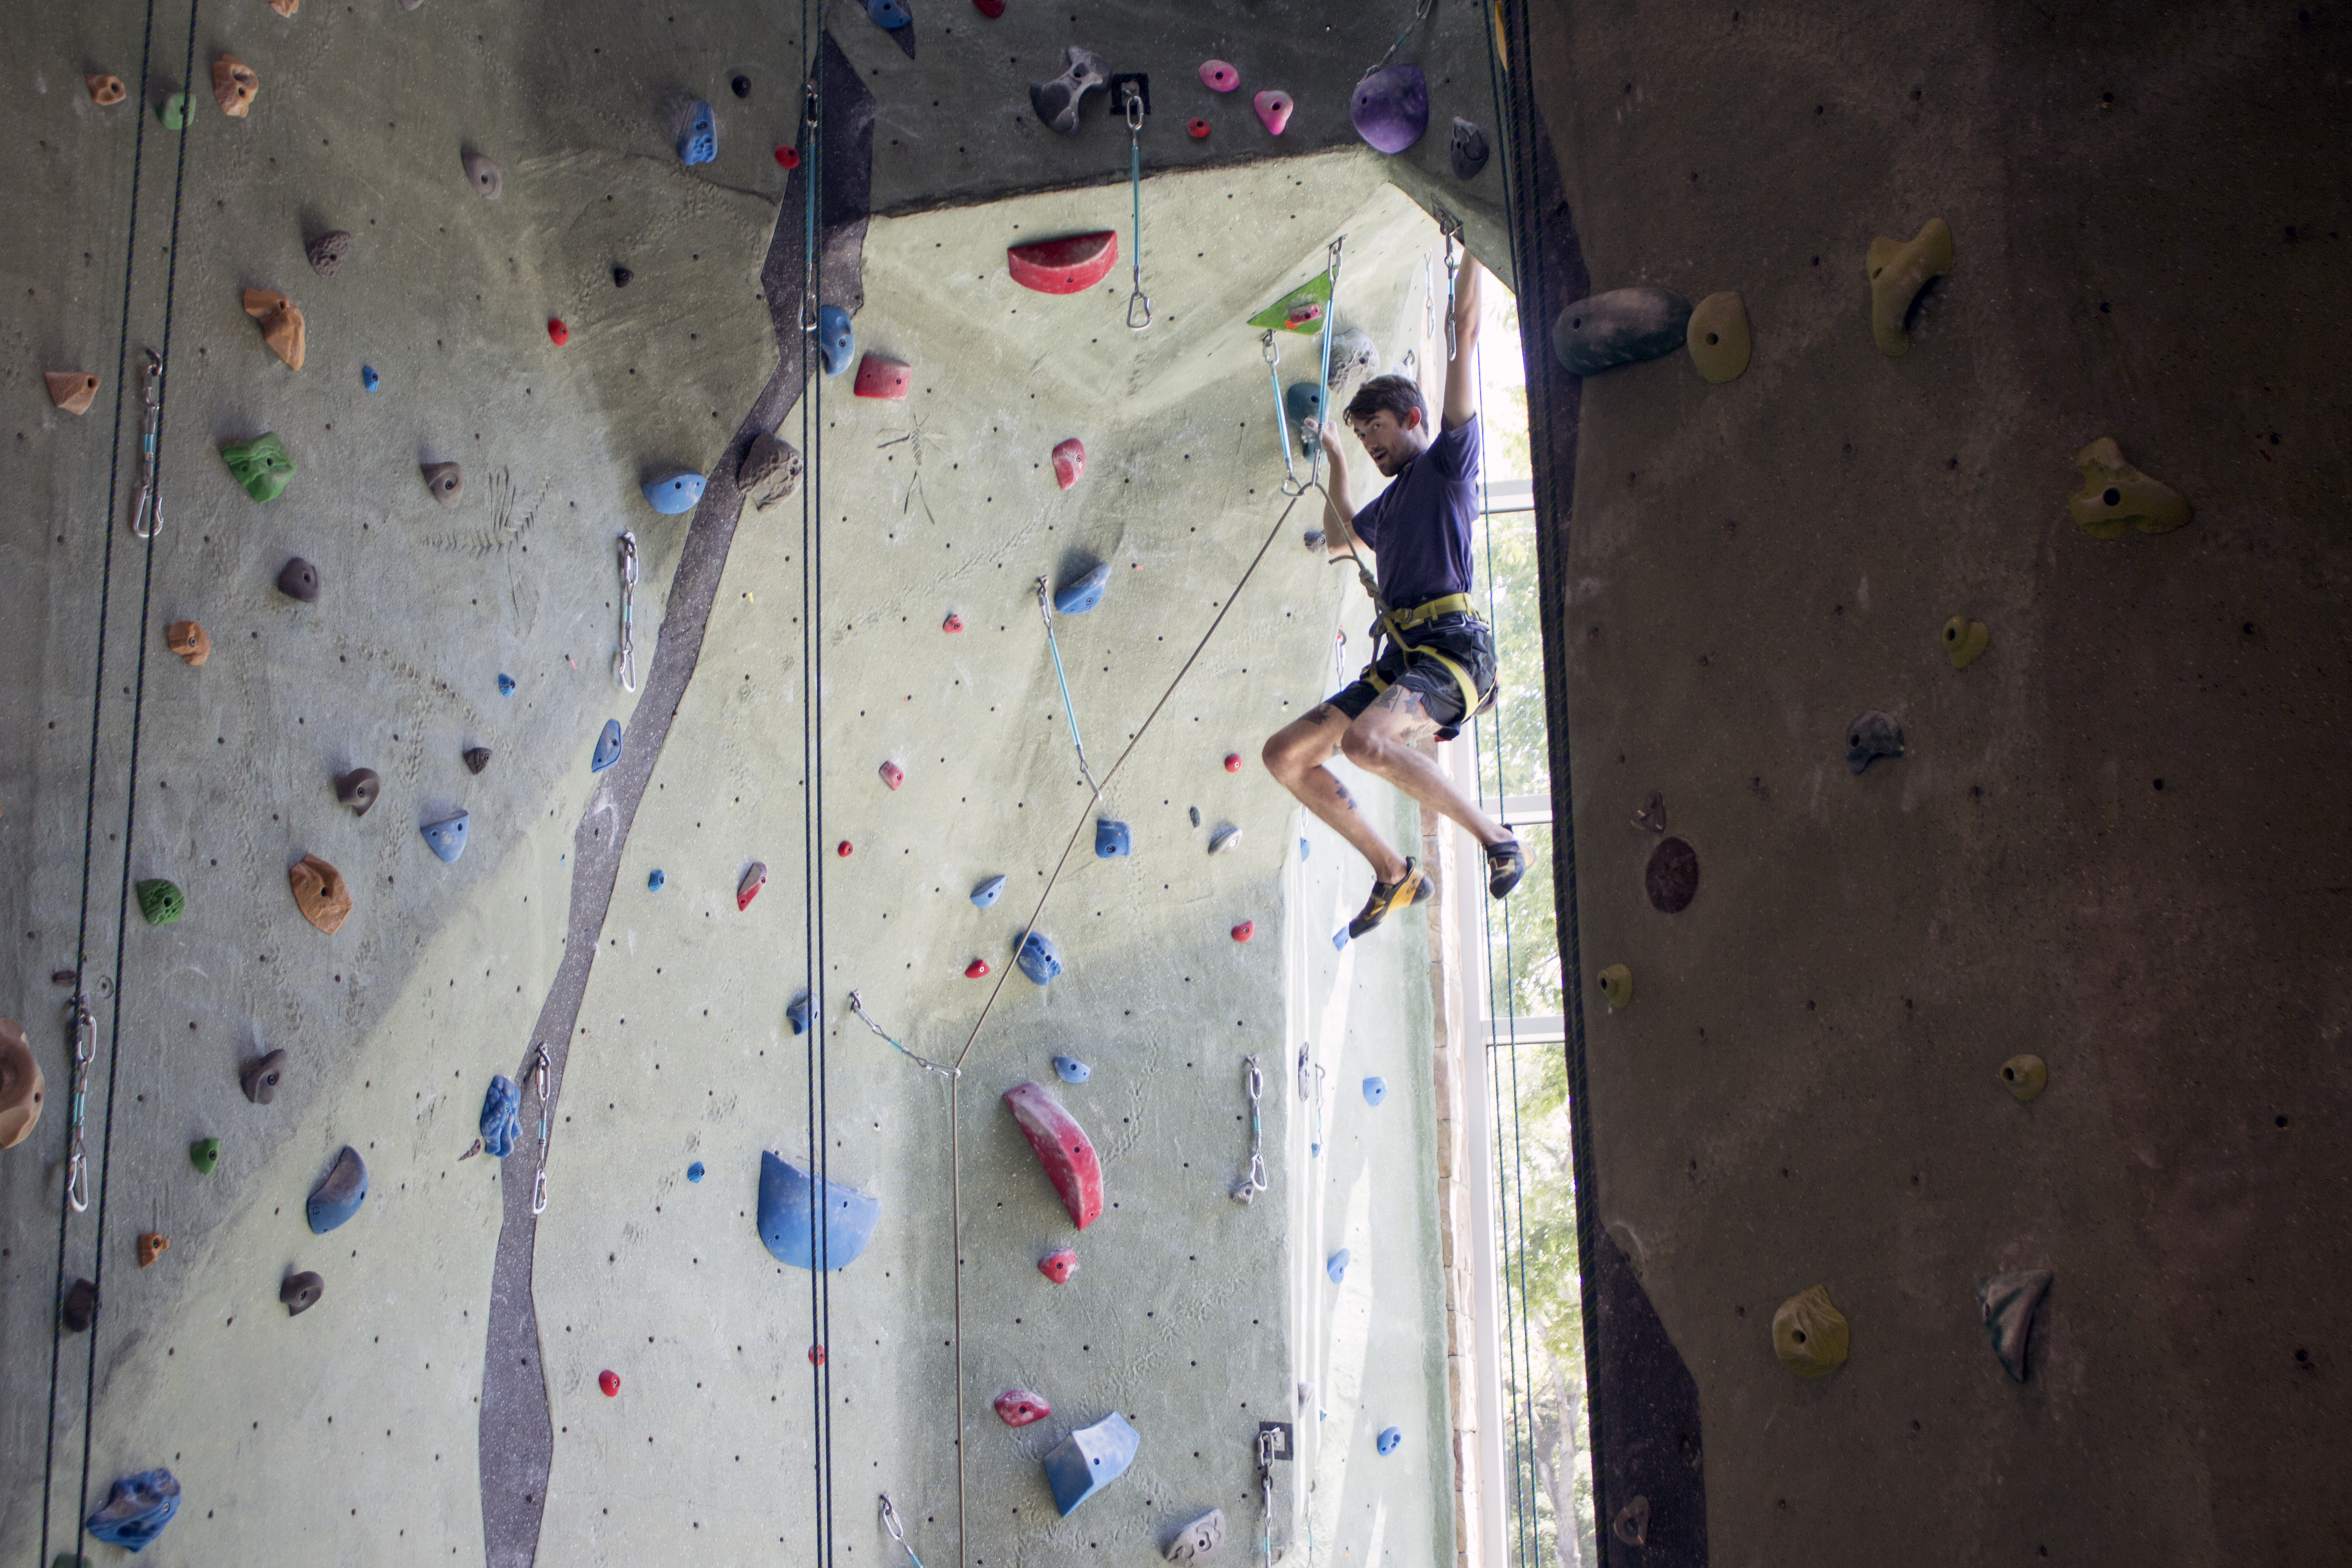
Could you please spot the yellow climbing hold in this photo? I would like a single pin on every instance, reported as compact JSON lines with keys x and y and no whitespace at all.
{"x":1965,"y":641}
{"x":2116,"y":497}
{"x":2025,"y":1077}
{"x":1617,"y":985}
{"x":1718,"y":338}
{"x":1898,"y":273}
{"x":1808,"y":1334}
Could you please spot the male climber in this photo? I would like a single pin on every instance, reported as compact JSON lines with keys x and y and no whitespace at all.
{"x":1434,"y":668}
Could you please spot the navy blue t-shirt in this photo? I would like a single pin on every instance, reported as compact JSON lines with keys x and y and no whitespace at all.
{"x":1420,"y":526}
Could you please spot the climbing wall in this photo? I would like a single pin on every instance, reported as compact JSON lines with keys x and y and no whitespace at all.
{"x":601,"y":323}
{"x":2111,"y":841}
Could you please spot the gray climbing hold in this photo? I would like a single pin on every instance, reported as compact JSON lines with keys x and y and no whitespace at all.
{"x":620,"y":276}
{"x":260,"y":1077}
{"x":770,"y":471}
{"x":1375,"y":1090}
{"x":1089,"y":1460}
{"x":1037,"y":958}
{"x":1355,"y":359}
{"x":986,"y":895}
{"x":1388,"y":1440}
{"x":501,"y":1116}
{"x":699,"y":145}
{"x":1199,"y":1540}
{"x":788,"y":1194}
{"x":298,"y":579}
{"x":608,"y":747}
{"x":1057,"y":101}
{"x":137,"y":1511}
{"x":836,"y":339}
{"x":1083,"y":594}
{"x":673,"y":492}
{"x":1469,"y":150}
{"x":1671,"y":878}
{"x":1195,"y":812}
{"x":796,"y":1013}
{"x":1112,"y":839}
{"x":339,"y":1197}
{"x":79,"y":1308}
{"x":1871,"y":736}
{"x":484,"y":173}
{"x":654,"y":879}
{"x":447,"y":482}
{"x":1069,"y":1069}
{"x":359,"y":789}
{"x":327,"y":252}
{"x":1621,"y":327}
{"x":1226,"y":840}
{"x":1390,"y":107}
{"x":447,"y":836}
{"x":300,"y":1292}
{"x":2007,"y":1302}
{"x":1337,"y":1268}
{"x":369,"y":380}
{"x":1302,"y":401}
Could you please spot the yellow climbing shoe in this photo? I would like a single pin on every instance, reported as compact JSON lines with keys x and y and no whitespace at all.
{"x":1414,"y":888}
{"x":1505,"y":864}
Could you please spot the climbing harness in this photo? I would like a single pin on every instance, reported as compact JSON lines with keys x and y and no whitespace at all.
{"x":85,"y":1045}
{"x":858,"y":1007}
{"x":1046,"y":612}
{"x":538,"y":1182}
{"x":146,"y":505}
{"x":625,"y":663}
{"x":897,"y":1531}
{"x":1138,"y":299}
{"x":1253,"y":1180}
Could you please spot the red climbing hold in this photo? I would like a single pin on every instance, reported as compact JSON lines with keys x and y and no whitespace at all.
{"x":1070,"y":462}
{"x":1065,"y":266}
{"x":892,"y":775}
{"x":816,"y":1355}
{"x":954,"y":623}
{"x":790,"y":157}
{"x":879,"y":377}
{"x":610,"y":1382}
{"x":1232,"y":761}
{"x":842,"y":849}
{"x":976,"y":970}
{"x":557,"y":332}
{"x":1198,"y":128}
{"x":1058,"y":1266}
{"x":755,"y":878}
{"x":1244,"y":930}
{"x":992,"y":9}
{"x":1062,"y":1148}
{"x":1020,"y":1408}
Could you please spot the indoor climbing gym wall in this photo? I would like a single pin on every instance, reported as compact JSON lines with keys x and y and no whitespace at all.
{"x":1939,"y":420}
{"x":651,"y":919}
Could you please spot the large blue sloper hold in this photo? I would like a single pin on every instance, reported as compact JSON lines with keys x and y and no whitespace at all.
{"x":986,"y":895}
{"x":1080,"y":594}
{"x":1037,"y":958}
{"x":339,"y":1197}
{"x":501,"y":1116}
{"x":837,"y":340}
{"x":796,"y":1013}
{"x":1089,"y":1460}
{"x":700,"y":142}
{"x":447,"y":836}
{"x":785,"y":1198}
{"x":608,"y":747}
{"x":137,"y":1511}
{"x":674,"y":492}
{"x":1112,"y":838}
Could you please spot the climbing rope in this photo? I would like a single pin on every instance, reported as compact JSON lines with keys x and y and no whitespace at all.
{"x":1253,"y":1180}
{"x":1309,"y":442}
{"x":1419,"y":15}
{"x":1046,"y":612}
{"x":1134,"y":96}
{"x":857,"y":1006}
{"x":625,"y":663}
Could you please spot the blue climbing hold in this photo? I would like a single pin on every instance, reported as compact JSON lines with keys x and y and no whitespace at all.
{"x":796,"y":1013}
{"x":1338,"y":1266}
{"x":1037,"y":958}
{"x":506,"y":684}
{"x":447,"y":836}
{"x":674,"y":492}
{"x":338,"y":1197}
{"x":1077,"y":598}
{"x":700,"y":142}
{"x":889,"y":15}
{"x":988,"y":892}
{"x":1304,"y":850}
{"x":1388,"y":1440}
{"x":1069,"y":1069}
{"x":501,"y":1116}
{"x":1303,"y":401}
{"x":608,"y":747}
{"x":1375,"y":1090}
{"x":1089,"y":1460}
{"x":694,"y":1172}
{"x":1112,"y":839}
{"x":787,"y":1195}
{"x":654,"y":881}
{"x":369,"y":380}
{"x":837,"y":340}
{"x":137,"y":1511}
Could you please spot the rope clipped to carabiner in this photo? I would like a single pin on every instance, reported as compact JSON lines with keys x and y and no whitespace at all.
{"x":1419,"y":15}
{"x":147,"y":506}
{"x":85,"y":1045}
{"x":538,"y":1183}
{"x":1253,"y":1180}
{"x":1138,"y":299}
{"x":1451,"y":227}
{"x":625,"y":663}
{"x":897,"y":1531}
{"x":1045,"y":611}
{"x":857,"y":1006}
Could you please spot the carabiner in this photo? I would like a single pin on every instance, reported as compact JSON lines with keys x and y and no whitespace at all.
{"x":539,"y":1193}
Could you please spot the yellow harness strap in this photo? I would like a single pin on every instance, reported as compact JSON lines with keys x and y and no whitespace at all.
{"x":1420,"y":615}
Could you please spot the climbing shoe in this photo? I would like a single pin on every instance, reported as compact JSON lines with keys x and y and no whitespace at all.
{"x":1505,"y":864}
{"x":1414,"y":888}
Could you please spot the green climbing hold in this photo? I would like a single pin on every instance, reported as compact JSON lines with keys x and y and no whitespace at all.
{"x":263,"y":466}
{"x":205,"y":1154}
{"x":1717,"y":337}
{"x":1617,"y":985}
{"x":161,"y":903}
{"x":1300,"y":311}
{"x":2116,"y":498}
{"x":1965,"y":641}
{"x":1808,"y":1334}
{"x":173,"y":112}
{"x":2025,"y":1077}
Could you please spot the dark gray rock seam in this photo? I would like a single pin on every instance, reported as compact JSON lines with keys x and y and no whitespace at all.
{"x":517,"y":1433}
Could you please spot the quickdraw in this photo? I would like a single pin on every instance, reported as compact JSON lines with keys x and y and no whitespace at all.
{"x":147,"y":506}
{"x":538,"y":1183}
{"x":85,"y":1032}
{"x":1138,"y":299}
{"x":1451,"y":227}
{"x":1253,"y":1180}
{"x":857,"y":1006}
{"x":897,"y":1531}
{"x":1046,"y":613}
{"x":625,"y":663}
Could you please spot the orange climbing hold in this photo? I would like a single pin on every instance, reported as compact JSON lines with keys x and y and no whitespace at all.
{"x":152,"y":1246}
{"x":1065,"y":266}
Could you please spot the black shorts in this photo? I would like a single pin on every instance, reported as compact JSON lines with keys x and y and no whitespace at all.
{"x":1464,"y":639}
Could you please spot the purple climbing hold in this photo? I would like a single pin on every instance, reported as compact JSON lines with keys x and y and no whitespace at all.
{"x":501,"y":1116}
{"x":298,"y":579}
{"x":1390,"y":107}
{"x":137,"y":1512}
{"x":447,"y":836}
{"x":608,"y":747}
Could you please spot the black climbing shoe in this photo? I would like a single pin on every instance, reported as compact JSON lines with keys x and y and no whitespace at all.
{"x":1505,"y":864}
{"x":1414,"y":888}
